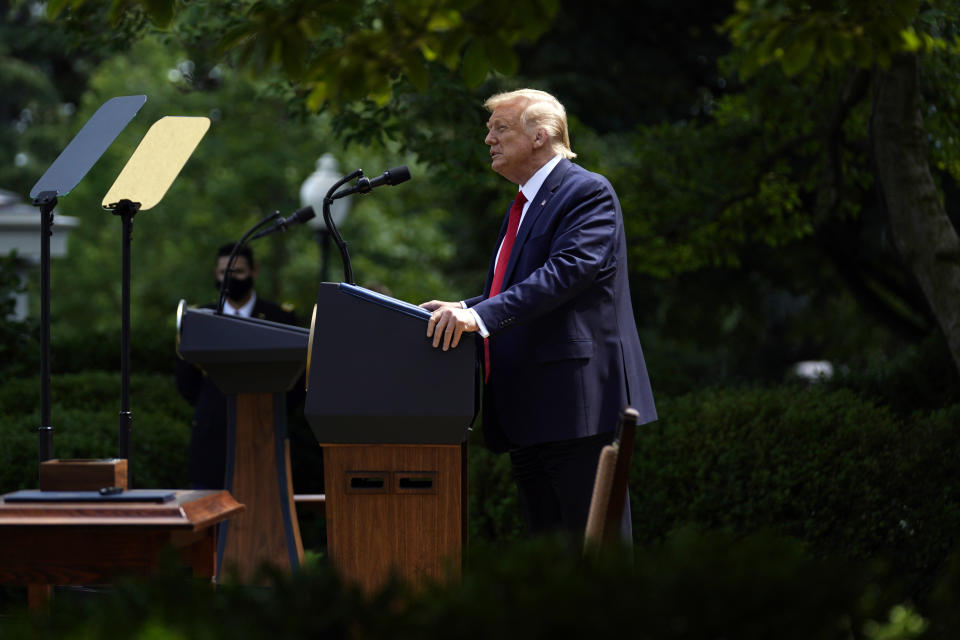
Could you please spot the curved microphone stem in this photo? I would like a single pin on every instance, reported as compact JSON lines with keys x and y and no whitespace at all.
{"x":332,"y":228}
{"x":233,"y":256}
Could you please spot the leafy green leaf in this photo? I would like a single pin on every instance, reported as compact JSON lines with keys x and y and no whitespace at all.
{"x":54,"y":7}
{"x":837,"y":48}
{"x":911,"y":41}
{"x":160,"y":12}
{"x":500,"y":55}
{"x":415,"y":69}
{"x":798,"y":55}
{"x":474,"y":67}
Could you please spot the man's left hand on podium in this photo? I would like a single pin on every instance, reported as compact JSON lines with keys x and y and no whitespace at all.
{"x":448,"y":322}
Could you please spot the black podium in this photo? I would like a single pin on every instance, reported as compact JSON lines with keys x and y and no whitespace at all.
{"x":392,"y":414}
{"x":254,"y":362}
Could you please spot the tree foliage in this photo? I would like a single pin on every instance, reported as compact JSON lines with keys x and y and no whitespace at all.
{"x":799,"y":36}
{"x":341,"y":52}
{"x":41,"y":83}
{"x":788,"y":157}
{"x":743,"y":158}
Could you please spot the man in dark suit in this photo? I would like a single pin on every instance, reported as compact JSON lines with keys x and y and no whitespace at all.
{"x":561,"y":352}
{"x":208,"y":436}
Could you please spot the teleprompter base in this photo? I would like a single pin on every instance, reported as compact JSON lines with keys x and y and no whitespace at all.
{"x":81,"y":474}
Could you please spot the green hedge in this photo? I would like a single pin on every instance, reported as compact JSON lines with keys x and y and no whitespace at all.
{"x":846,"y":476}
{"x":841,"y":473}
{"x":691,"y":586}
{"x":152,"y":349}
{"x":920,"y":377}
{"x":493,"y":509}
{"x":84,"y":415}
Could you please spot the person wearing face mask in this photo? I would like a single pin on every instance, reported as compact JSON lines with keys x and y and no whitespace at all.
{"x":207,"y":458}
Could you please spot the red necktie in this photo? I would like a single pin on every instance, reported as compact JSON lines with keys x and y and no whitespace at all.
{"x":513,"y":223}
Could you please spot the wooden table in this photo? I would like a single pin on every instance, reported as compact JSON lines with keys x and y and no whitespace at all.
{"x":86,"y":543}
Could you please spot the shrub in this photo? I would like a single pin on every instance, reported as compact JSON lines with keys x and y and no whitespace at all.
{"x":84,"y":414}
{"x":943,"y":609}
{"x":921,"y":377}
{"x":152,"y":350}
{"x":848,"y":477}
{"x":493,"y":507}
{"x":18,"y":346}
{"x":690,"y":586}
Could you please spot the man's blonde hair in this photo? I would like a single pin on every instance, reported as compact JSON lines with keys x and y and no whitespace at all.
{"x":541,"y":110}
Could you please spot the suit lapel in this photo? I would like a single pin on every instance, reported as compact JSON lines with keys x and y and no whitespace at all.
{"x":537,"y":206}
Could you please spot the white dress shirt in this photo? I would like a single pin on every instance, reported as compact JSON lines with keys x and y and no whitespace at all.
{"x":245,"y":311}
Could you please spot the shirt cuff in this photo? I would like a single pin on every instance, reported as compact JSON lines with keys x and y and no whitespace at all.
{"x":481,"y":328}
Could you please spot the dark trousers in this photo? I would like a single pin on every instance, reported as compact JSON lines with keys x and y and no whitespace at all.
{"x":555,"y":483}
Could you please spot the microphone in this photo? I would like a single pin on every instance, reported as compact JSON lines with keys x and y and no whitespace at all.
{"x":299,"y":217}
{"x":392,"y":177}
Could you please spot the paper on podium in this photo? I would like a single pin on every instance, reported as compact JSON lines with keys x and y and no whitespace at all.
{"x":157,"y":160}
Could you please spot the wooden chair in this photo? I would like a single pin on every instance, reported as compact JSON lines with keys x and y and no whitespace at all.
{"x":610,"y":486}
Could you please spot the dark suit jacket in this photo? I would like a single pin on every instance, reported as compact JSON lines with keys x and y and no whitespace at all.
{"x":564,"y":350}
{"x":208,"y":437}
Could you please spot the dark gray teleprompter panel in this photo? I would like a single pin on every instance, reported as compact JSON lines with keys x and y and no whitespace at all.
{"x":88,"y":145}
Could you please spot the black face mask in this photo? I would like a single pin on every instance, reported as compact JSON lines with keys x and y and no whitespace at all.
{"x":237,"y":288}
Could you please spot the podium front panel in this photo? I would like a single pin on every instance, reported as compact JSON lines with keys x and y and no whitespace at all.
{"x":375,"y":378}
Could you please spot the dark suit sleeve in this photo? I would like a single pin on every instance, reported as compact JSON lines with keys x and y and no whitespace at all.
{"x":578,"y":251}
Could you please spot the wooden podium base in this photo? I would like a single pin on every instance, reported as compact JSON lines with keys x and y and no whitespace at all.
{"x":259,"y":476}
{"x":395,"y":508}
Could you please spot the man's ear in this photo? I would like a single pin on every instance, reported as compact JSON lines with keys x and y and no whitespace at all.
{"x":541,"y":138}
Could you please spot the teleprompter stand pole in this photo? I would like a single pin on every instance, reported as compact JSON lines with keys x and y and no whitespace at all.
{"x":126,"y":210}
{"x":46,"y":201}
